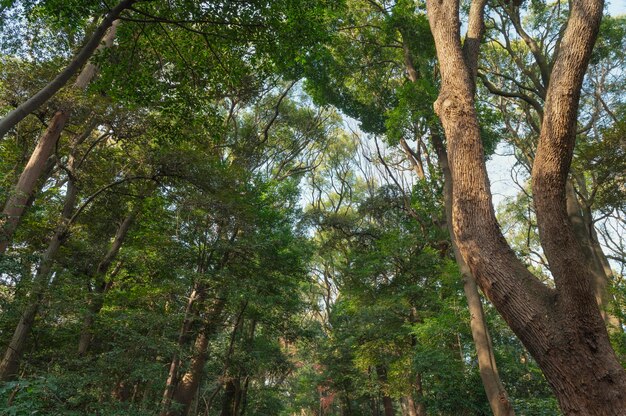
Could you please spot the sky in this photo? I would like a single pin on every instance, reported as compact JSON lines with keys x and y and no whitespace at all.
{"x":617,"y":7}
{"x":500,"y":164}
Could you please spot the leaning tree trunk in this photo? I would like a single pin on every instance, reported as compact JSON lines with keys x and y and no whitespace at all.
{"x":100,"y":285}
{"x":25,"y":187}
{"x":186,"y":388}
{"x":93,"y":44}
{"x":10,"y":362}
{"x":496,"y":393}
{"x":562,"y":327}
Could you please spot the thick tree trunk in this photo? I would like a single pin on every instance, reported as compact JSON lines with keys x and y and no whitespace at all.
{"x":25,"y":187}
{"x":97,"y":300}
{"x":93,"y":44}
{"x":562,"y":328}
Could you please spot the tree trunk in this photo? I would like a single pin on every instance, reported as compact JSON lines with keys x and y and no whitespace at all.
{"x":381,"y":372}
{"x":10,"y":362}
{"x":496,"y":393}
{"x":92,"y":45}
{"x":97,"y":300}
{"x":230,"y":398}
{"x":420,"y":408}
{"x":17,"y":201}
{"x":408,"y":406}
{"x":194,"y":304}
{"x":25,"y":187}
{"x":244,"y":396}
{"x":195,"y":298}
{"x":562,"y":327}
{"x":186,"y":388}
{"x":582,"y":223}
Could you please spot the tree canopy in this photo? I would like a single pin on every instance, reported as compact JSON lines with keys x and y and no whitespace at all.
{"x":279,"y":207}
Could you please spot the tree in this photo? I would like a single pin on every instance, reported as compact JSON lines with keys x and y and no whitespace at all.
{"x":379,"y":70}
{"x":561,"y":326}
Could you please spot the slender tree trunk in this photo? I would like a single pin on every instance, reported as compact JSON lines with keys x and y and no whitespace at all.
{"x":583,"y":226}
{"x":195,"y":298}
{"x":10,"y":362}
{"x":97,"y":300}
{"x":194,"y":304}
{"x":25,"y":187}
{"x":244,"y":396}
{"x":562,"y":327}
{"x":381,"y":372}
{"x":55,"y":85}
{"x":230,"y":398}
{"x":242,"y":391}
{"x":374,"y":406}
{"x":186,"y":388}
{"x":420,"y":408}
{"x":496,"y":393}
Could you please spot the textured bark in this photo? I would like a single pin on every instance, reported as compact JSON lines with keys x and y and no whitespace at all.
{"x":496,"y":393}
{"x":561,"y":328}
{"x":97,"y":300}
{"x":25,"y":187}
{"x":93,"y":44}
{"x":18,"y":199}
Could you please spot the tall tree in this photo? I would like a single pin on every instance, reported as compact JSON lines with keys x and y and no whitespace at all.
{"x":380,"y":71}
{"x":561,"y":327}
{"x":25,"y":186}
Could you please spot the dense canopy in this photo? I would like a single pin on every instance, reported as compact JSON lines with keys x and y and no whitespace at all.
{"x":285,"y":207}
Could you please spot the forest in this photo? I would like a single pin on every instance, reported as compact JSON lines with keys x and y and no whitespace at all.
{"x":312,"y":208}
